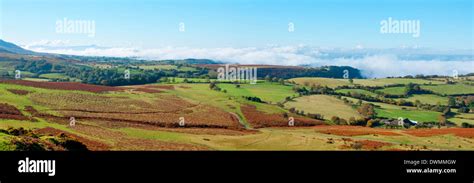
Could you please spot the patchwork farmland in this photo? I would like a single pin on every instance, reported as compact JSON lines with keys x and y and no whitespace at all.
{"x":147,"y":117}
{"x":76,"y":103}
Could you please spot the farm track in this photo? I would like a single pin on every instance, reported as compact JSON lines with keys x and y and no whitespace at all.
{"x":259,"y":141}
{"x":240,"y":120}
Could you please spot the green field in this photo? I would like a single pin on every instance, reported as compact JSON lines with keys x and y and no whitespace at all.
{"x":393,"y":90}
{"x":428,"y":99}
{"x":7,"y":66}
{"x":301,"y":138}
{"x":359,"y":91}
{"x":58,"y":76}
{"x":231,"y":100}
{"x":417,"y":115}
{"x":463,"y":118}
{"x":331,"y":83}
{"x":394,"y":111}
{"x":322,"y":104}
{"x":454,"y":89}
{"x":269,"y":92}
{"x":459,"y":121}
{"x":392,"y":81}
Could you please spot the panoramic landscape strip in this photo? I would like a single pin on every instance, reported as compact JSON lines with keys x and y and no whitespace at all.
{"x":64,"y":102}
{"x":236,"y":75}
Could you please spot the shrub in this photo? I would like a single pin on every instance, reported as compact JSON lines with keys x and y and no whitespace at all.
{"x":467,"y":125}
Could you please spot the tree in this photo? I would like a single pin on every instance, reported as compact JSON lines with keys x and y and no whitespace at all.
{"x":352,"y":120}
{"x":367,"y":110}
{"x":370,"y":123}
{"x":268,"y":78}
{"x":335,"y":120}
{"x":292,"y":110}
{"x":451,"y":102}
{"x":274,"y":79}
{"x":212,"y":85}
{"x":447,"y":112}
{"x":281,"y":81}
{"x":417,"y":103}
{"x":442,"y":120}
{"x":463,"y":110}
{"x":467,"y":125}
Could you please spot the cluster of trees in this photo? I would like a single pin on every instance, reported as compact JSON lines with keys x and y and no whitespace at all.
{"x":274,"y":79}
{"x":339,"y":121}
{"x":438,"y":107}
{"x":310,"y":115}
{"x":116,"y":76}
{"x":465,"y":104}
{"x":367,"y":110}
{"x":254,"y":99}
{"x":113,"y":77}
{"x":467,"y":125}
{"x":443,"y":117}
{"x":294,"y":72}
{"x":314,"y":89}
{"x":411,"y":89}
{"x":352,"y":121}
{"x":362,"y":87}
{"x":38,"y":66}
{"x":168,"y":80}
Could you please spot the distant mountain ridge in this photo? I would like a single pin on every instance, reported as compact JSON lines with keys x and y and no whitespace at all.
{"x":7,"y":47}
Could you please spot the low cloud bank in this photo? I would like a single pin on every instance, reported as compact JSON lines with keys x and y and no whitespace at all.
{"x":372,"y":64}
{"x":378,"y":66}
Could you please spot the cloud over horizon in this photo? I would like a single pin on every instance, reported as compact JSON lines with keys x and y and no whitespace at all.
{"x":372,"y":63}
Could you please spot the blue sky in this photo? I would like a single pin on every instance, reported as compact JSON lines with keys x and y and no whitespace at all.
{"x":241,"y":23}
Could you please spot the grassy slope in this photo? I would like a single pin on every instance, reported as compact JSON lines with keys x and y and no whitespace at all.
{"x":360,"y":91}
{"x":429,"y":99}
{"x":299,"y":139}
{"x":393,"y":111}
{"x":393,"y":90}
{"x":267,"y":139}
{"x":325,"y":105}
{"x":269,"y":92}
{"x":4,"y":142}
{"x":451,"y":89}
{"x":230,"y":101}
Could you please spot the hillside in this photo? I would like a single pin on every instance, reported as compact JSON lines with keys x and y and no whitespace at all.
{"x":109,"y":103}
{"x":148,"y":117}
{"x":110,"y":70}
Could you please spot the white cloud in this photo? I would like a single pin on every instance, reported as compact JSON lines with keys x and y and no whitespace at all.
{"x":377,"y":64}
{"x":389,"y":65}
